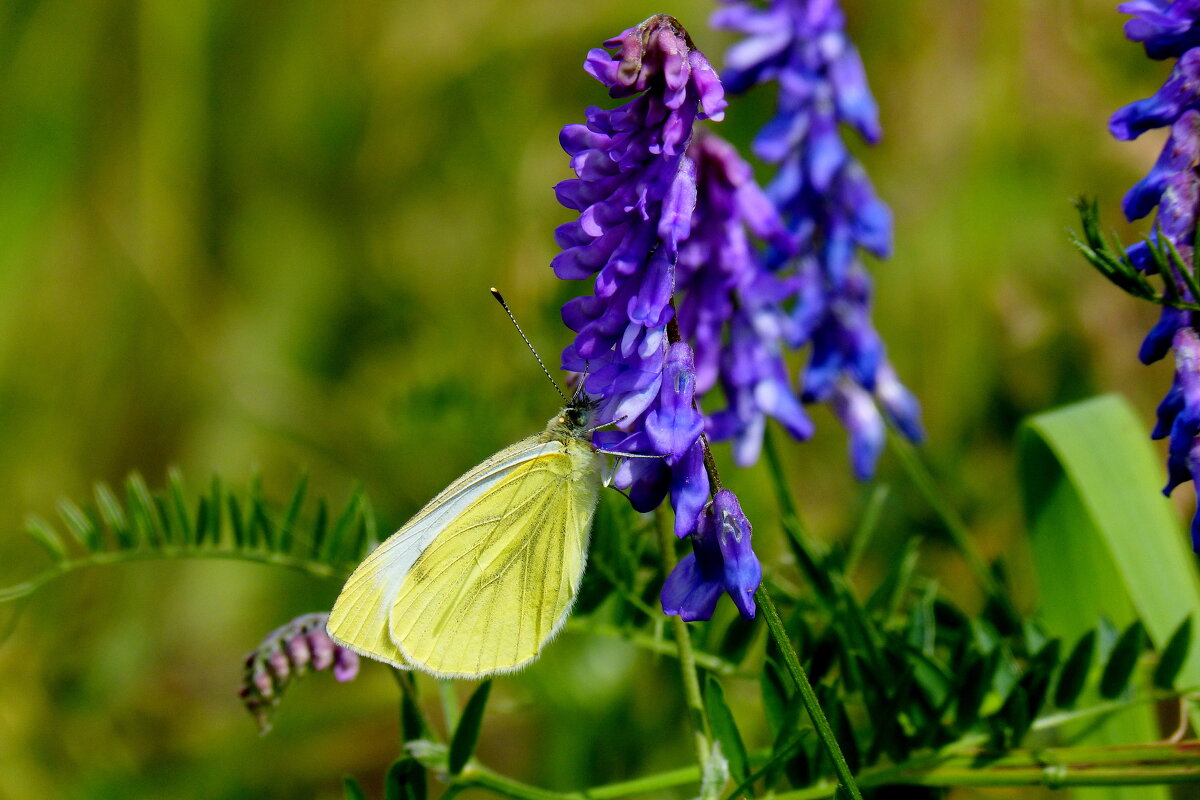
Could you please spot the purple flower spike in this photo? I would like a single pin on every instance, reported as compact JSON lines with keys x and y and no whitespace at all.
{"x":721,"y":561}
{"x":636,"y":191}
{"x":1170,"y":29}
{"x":831,"y":212}
{"x":287,"y":654}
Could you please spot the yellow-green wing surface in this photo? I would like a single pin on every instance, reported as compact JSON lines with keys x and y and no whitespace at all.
{"x":499,"y":579}
{"x":359,"y":619}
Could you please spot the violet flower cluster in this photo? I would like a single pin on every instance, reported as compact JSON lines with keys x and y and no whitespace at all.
{"x":287,"y":653}
{"x":831,"y":213}
{"x":636,"y":192}
{"x":1170,"y":30}
{"x":731,"y":307}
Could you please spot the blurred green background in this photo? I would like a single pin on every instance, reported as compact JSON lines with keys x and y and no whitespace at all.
{"x":259,"y":236}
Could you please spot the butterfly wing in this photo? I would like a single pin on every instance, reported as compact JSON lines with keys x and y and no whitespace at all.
{"x":499,"y":580}
{"x":359,"y":619}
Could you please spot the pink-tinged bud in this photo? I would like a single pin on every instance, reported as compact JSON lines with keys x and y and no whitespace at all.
{"x":264,"y":684}
{"x":322,"y":649}
{"x":279,"y":664}
{"x":287,"y":653}
{"x":345,"y":665}
{"x":298,"y":651}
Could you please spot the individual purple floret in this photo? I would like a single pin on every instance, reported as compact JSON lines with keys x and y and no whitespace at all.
{"x":285,"y":654}
{"x":721,"y":561}
{"x":636,"y":194}
{"x":1173,"y":187}
{"x":828,"y":205}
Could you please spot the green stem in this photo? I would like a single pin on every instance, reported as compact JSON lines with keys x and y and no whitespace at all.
{"x":807,"y":695}
{"x":484,"y":778}
{"x":919,"y":474}
{"x":314,"y":568}
{"x":683,"y":642}
{"x":783,"y":494}
{"x":654,"y":644}
{"x":866,"y":527}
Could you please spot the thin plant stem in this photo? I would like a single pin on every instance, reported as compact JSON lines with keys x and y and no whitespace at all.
{"x":314,"y":568}
{"x":919,"y":474}
{"x":484,"y":778}
{"x":683,"y":643}
{"x":783,"y":494}
{"x":866,"y":527}
{"x":807,"y":695}
{"x":655,"y":644}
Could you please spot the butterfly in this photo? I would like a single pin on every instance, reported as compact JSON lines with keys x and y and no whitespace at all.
{"x":486,"y":573}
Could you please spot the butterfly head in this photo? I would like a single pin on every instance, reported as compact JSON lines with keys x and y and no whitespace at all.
{"x":576,"y":419}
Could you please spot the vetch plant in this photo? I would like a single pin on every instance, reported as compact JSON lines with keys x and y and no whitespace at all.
{"x":829,"y":206}
{"x":697,"y":294}
{"x":1167,"y":30}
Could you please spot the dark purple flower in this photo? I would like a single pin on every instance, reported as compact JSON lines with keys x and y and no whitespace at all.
{"x":1180,"y":412}
{"x":721,"y":560}
{"x":1167,"y":28}
{"x":831,"y":212}
{"x":1180,"y":93}
{"x":287,"y":653}
{"x":1170,"y":29}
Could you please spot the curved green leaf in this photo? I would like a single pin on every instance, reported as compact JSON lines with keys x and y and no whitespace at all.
{"x":1105,"y":540}
{"x":1105,"y":543}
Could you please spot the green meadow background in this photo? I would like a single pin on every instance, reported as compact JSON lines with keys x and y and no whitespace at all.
{"x":258,"y":237}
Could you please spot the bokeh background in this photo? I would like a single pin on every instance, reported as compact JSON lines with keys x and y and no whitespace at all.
{"x":259,"y":236}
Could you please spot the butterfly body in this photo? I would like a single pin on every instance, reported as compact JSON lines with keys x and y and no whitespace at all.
{"x":486,"y":573}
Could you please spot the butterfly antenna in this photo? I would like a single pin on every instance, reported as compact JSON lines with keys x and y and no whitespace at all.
{"x":500,"y":299}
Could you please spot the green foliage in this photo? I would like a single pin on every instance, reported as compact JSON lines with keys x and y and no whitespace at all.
{"x":1090,"y":487}
{"x":405,"y":781}
{"x":1106,"y":545}
{"x":352,"y":789}
{"x":725,"y":729}
{"x":466,"y":733}
{"x":1173,"y":656}
{"x":220,"y":523}
{"x":1171,"y":269}
{"x":901,"y":675}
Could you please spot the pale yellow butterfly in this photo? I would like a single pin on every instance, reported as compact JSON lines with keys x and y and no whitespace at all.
{"x":486,"y":573}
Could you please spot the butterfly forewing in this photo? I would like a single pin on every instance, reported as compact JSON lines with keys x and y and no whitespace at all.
{"x":499,"y":580}
{"x":359,"y":619}
{"x":486,"y":572}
